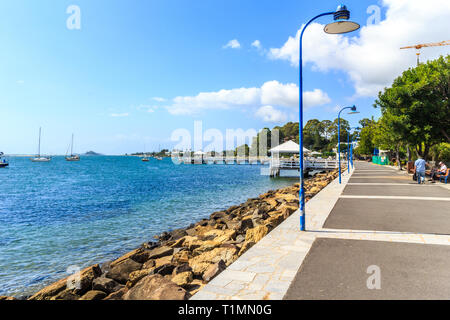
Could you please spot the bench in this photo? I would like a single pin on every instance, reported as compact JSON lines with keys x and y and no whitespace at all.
{"x":444,"y":177}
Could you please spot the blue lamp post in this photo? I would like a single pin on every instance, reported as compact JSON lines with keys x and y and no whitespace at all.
{"x":353,"y":111}
{"x":350,"y":149}
{"x":339,"y":26}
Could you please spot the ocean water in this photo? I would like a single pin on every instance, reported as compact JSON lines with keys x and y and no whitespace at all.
{"x":60,"y":214}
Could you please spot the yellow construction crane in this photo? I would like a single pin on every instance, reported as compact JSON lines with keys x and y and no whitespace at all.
{"x":420,"y":46}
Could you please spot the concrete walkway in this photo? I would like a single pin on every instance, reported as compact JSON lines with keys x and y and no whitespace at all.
{"x":406,"y":252}
{"x":377,"y":218}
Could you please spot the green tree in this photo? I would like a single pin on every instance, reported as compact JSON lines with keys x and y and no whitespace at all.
{"x":366,"y":137}
{"x":420,"y":98}
{"x":389,"y":133}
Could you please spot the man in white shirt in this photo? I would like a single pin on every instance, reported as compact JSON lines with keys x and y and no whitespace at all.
{"x":441,"y":171}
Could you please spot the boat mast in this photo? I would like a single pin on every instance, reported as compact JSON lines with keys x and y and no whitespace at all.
{"x":71,"y":147}
{"x":39,"y":145}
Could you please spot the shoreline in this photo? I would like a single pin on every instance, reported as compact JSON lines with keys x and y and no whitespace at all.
{"x":182,"y":261}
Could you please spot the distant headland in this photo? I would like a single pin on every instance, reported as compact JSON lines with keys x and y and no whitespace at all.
{"x":92,"y":153}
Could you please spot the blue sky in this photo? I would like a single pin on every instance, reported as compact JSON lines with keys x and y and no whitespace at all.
{"x":104,"y":81}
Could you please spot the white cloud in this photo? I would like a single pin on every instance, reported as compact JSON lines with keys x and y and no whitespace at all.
{"x":234,"y":44}
{"x":271,"y":93}
{"x":270,"y":114}
{"x":148,"y":108}
{"x":256,"y":44}
{"x":373,"y":59}
{"x":315,"y":98}
{"x":159,"y":99}
{"x":118,"y":115}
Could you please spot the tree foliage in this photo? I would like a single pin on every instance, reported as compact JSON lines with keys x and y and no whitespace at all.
{"x":415,"y":109}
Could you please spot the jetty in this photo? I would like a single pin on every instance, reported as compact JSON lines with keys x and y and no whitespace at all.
{"x":224,"y":160}
{"x":283,"y":162}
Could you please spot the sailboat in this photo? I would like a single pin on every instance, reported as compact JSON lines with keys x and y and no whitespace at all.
{"x":3,"y":162}
{"x":72,"y":157}
{"x":159,"y":157}
{"x":38,"y":157}
{"x":145,"y":158}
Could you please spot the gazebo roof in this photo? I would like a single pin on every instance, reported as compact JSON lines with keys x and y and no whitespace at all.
{"x":288,"y":147}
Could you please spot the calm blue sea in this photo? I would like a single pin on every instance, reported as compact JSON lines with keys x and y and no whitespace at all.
{"x":58,"y":214}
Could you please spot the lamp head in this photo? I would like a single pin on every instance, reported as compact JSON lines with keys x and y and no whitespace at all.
{"x":341,"y":24}
{"x":353,"y":110}
{"x":342,"y":13}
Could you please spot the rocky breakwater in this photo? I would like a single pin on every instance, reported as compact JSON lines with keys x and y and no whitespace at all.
{"x":182,"y":261}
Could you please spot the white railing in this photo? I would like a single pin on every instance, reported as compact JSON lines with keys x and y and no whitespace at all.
{"x":284,"y":164}
{"x":321,"y":164}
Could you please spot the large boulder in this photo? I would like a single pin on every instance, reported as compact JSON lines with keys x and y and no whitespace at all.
{"x":287,"y":210}
{"x":160,"y":252}
{"x":206,"y":246}
{"x":5,"y":298}
{"x":221,"y":236}
{"x":246,"y":224}
{"x":259,"y":216}
{"x":139,"y":255}
{"x":217,"y":215}
{"x":183,"y":279}
{"x":165,"y":269}
{"x":117,"y":295}
{"x":272,"y":202}
{"x":314,"y":190}
{"x":180,"y":257}
{"x":245,"y":246}
{"x":93,"y":295}
{"x":87,"y":275}
{"x":177,"y":234}
{"x":156,"y":287}
{"x":275,"y":219}
{"x":289,"y":197}
{"x":213,"y":270}
{"x":256,"y":234}
{"x":122,"y":270}
{"x":162,"y":261}
{"x":149,"y":264}
{"x":66,"y":294}
{"x":136,"y":276}
{"x":182,"y":268}
{"x":105,"y":284}
{"x":201,"y":263}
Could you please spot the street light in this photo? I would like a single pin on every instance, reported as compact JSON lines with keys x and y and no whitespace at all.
{"x":353,"y":111}
{"x":341,"y":25}
{"x":350,"y":148}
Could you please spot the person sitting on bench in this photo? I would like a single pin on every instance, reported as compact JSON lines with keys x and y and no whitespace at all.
{"x":441,"y":171}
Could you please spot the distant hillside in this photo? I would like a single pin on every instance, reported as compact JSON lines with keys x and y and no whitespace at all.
{"x":92,"y":153}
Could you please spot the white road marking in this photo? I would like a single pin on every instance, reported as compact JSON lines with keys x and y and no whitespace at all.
{"x":394,"y":198}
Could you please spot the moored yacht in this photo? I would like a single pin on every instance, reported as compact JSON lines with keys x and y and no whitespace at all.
{"x":38,"y":157}
{"x":3,"y":162}
{"x":72,"y":157}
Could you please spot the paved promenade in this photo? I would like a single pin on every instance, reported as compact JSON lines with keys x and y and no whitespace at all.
{"x":377,"y":219}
